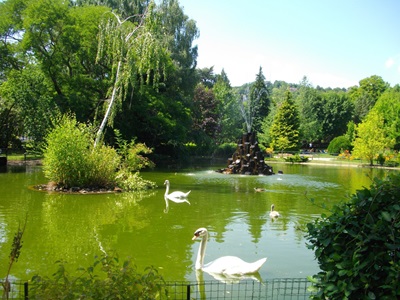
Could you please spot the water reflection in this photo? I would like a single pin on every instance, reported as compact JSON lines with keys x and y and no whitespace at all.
{"x":175,"y":200}
{"x":228,"y":278}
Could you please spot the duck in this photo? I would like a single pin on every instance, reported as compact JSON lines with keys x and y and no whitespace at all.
{"x":256,"y":189}
{"x":229,"y":265}
{"x":176,"y":196}
{"x":273,"y":213}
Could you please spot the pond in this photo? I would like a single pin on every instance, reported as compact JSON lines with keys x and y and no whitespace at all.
{"x":77,"y":227}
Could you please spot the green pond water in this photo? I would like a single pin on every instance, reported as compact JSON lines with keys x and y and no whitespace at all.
{"x":77,"y":227}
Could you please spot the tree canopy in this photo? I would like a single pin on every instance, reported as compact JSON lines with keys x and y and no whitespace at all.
{"x":132,"y":66}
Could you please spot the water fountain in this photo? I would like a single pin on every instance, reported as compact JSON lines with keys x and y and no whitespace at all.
{"x":248,"y":159}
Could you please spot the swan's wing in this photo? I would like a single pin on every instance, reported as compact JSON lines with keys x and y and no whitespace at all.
{"x":178,"y":194}
{"x":274,"y":214}
{"x":233,"y":265}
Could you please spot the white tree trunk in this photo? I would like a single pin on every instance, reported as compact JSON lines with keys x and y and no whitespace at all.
{"x":110,"y":106}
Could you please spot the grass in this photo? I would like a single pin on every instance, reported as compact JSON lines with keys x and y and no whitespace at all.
{"x":23,"y":156}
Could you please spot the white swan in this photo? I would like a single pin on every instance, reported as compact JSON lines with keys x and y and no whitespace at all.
{"x":224,"y":265}
{"x":177,"y":197}
{"x":273,"y":213}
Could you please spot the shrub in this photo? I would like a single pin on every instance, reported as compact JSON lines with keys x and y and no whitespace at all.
{"x":358,"y":245}
{"x":296,"y":159}
{"x":339,"y":144}
{"x":71,"y":161}
{"x":225,"y":150}
{"x":105,"y":279}
{"x":132,"y":181}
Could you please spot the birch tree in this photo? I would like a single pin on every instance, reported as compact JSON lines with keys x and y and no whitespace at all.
{"x":137,"y":54}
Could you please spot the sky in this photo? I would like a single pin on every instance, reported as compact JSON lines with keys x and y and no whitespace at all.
{"x":333,"y":43}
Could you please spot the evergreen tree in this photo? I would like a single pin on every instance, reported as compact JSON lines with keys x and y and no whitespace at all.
{"x":260,"y":100}
{"x":284,"y":131}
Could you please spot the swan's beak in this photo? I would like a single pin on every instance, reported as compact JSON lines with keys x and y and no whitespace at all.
{"x":196,"y":235}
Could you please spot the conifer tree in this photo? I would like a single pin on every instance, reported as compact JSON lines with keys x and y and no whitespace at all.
{"x":260,"y":101}
{"x":284,"y":130}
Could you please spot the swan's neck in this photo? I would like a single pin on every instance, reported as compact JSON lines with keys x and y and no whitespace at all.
{"x":202,"y":251}
{"x":167,"y":189}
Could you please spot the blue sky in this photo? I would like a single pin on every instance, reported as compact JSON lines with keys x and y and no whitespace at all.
{"x":333,"y":43}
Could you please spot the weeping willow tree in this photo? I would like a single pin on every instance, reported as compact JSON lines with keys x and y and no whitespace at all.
{"x":136,"y":49}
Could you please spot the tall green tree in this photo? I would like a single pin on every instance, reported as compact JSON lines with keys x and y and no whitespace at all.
{"x":278,"y":91}
{"x":388,"y":106}
{"x":365,"y":96}
{"x":254,"y":102}
{"x":371,"y":138}
{"x":230,"y":120}
{"x":161,"y":116}
{"x":207,"y":77}
{"x":31,"y":106}
{"x":311,"y":112}
{"x":137,"y":53}
{"x":284,"y":131}
{"x":261,"y":101}
{"x":62,"y":40}
{"x":337,"y":112}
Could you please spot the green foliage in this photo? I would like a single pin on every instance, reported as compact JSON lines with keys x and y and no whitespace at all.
{"x":260,"y":101}
{"x":296,"y":159}
{"x":380,"y":159}
{"x":388,"y":106}
{"x":13,"y":257}
{"x":131,"y":154}
{"x":230,"y":120}
{"x":71,"y":161}
{"x":106,"y":278}
{"x":365,"y":96}
{"x":371,"y":138}
{"x":336,"y":113}
{"x":339,"y":144}
{"x":129,"y":181}
{"x":310,"y":103}
{"x":357,"y":246}
{"x":225,"y":150}
{"x":132,"y":161}
{"x":284,"y":130}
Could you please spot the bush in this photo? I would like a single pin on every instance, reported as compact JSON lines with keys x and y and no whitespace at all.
{"x":105,"y":279}
{"x":296,"y":159}
{"x":339,"y":144}
{"x":225,"y":150}
{"x":358,"y":245}
{"x":71,"y":161}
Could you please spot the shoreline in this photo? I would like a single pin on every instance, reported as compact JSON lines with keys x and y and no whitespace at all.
{"x":315,"y":161}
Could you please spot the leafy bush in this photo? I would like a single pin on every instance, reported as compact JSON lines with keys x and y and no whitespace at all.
{"x":296,"y":159}
{"x":71,"y":161}
{"x":131,"y":154}
{"x":225,"y":150}
{"x":358,"y":245}
{"x":132,"y":181}
{"x":105,"y":279}
{"x":339,"y":144}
